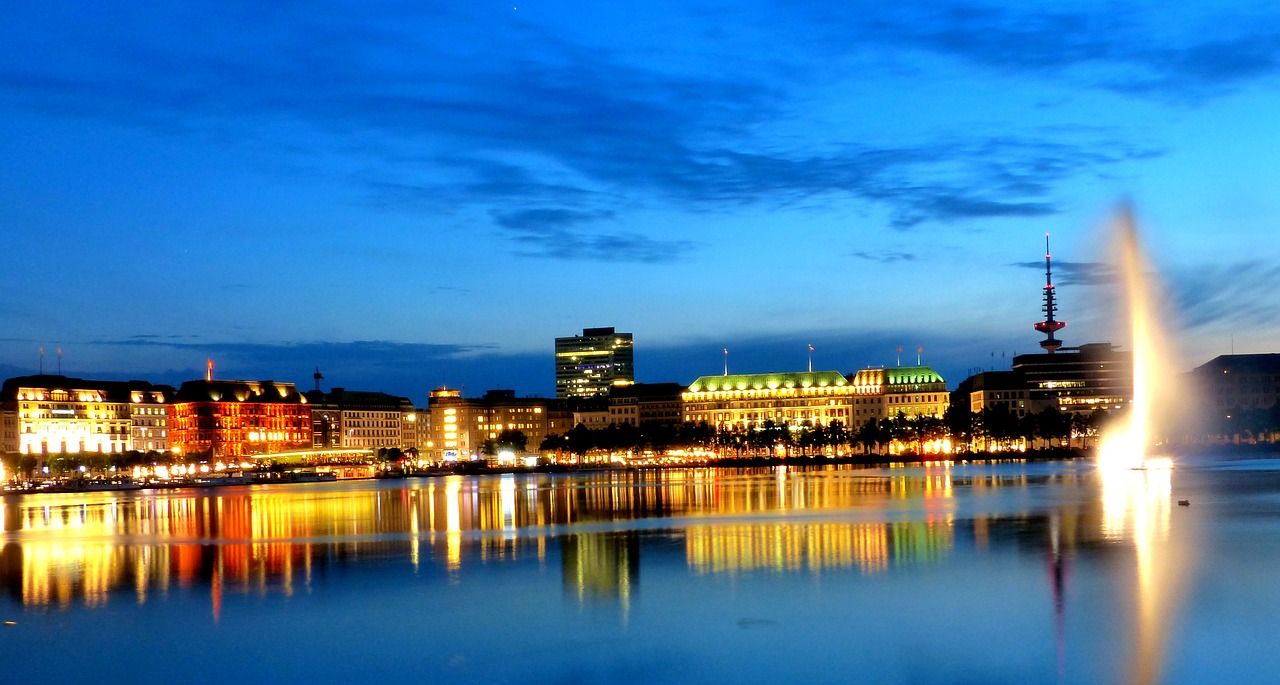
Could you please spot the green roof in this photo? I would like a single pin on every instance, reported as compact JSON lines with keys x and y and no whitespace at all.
{"x":910,"y":375}
{"x":763,"y":381}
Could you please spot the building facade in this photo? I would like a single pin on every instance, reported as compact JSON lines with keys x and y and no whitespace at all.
{"x":459,"y":426}
{"x":815,"y":397}
{"x":746,"y":401}
{"x":345,"y":419}
{"x":238,"y":419}
{"x":1078,"y":380}
{"x":52,"y":414}
{"x":588,"y":365}
{"x":643,"y":404}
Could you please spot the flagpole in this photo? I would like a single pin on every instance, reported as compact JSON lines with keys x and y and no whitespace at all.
{"x":810,"y":357}
{"x":726,"y":361}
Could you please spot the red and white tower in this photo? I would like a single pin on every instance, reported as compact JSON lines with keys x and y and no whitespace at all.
{"x":1049,"y":326}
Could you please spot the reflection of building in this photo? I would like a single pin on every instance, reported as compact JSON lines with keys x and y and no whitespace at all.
{"x":601,"y":565}
{"x":589,"y":364}
{"x":234,"y":419}
{"x":49,"y":414}
{"x":343,"y":418}
{"x":817,"y":397}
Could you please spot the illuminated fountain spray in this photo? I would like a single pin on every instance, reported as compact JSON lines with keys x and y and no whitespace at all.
{"x":1136,"y":487}
{"x":1127,"y":445}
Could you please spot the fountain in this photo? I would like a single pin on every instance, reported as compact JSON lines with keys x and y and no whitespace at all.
{"x":1126,"y":445}
{"x":1137,"y":487}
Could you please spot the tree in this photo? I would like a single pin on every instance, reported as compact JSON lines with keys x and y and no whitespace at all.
{"x":512,"y":439}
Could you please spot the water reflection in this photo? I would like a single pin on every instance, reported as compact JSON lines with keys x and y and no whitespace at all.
{"x":1136,"y":509}
{"x":64,"y":550}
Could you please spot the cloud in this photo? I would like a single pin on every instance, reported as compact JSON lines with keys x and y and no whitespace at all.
{"x":555,"y":234}
{"x":888,"y":257}
{"x":1076,"y":273}
{"x":1127,"y":50}
{"x":1245,"y":294}
{"x":452,"y":107}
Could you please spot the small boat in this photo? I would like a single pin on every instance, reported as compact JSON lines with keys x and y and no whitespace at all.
{"x":1184,"y":502}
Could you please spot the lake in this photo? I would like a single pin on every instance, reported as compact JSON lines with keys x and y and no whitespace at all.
{"x":960,"y":573}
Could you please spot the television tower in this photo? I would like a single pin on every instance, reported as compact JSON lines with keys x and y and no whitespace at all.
{"x":1049,"y":326}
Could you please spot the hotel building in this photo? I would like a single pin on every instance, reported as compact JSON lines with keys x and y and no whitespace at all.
{"x":345,"y":419}
{"x":236,"y":419}
{"x":590,"y":364}
{"x":51,"y":414}
{"x":746,"y":401}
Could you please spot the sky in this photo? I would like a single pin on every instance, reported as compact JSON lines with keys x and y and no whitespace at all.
{"x":415,"y":194}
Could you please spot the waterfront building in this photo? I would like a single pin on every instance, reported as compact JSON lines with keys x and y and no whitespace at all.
{"x":588,"y":365}
{"x":460,"y":425}
{"x":1239,"y":382}
{"x":237,"y":419}
{"x":51,"y":414}
{"x":746,"y":401}
{"x":1078,"y":380}
{"x":642,"y":404}
{"x":347,"y":419}
{"x":908,"y":390}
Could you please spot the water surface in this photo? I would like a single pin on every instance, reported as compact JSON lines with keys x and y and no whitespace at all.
{"x":1005,"y":573}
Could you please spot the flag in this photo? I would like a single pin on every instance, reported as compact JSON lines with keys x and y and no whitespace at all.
{"x":810,"y":347}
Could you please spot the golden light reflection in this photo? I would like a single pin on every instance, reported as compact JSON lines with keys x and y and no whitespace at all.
{"x":1136,"y":509}
{"x":81,"y":549}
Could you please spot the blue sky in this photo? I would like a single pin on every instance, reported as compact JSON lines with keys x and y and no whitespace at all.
{"x":410,"y":194}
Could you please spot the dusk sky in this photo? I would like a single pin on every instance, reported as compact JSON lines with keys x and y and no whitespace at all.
{"x":414,"y":194}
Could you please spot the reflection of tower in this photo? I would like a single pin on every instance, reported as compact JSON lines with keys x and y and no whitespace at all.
{"x":1049,"y":326}
{"x":601,"y":565}
{"x":1058,"y":581}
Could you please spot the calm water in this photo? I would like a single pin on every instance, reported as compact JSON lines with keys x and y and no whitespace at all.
{"x":1010,"y":573}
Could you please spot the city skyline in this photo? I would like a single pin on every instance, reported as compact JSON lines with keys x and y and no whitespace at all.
{"x":424,"y":195}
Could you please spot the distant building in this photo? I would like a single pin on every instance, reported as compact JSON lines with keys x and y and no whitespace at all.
{"x":908,"y":390}
{"x":237,"y":419}
{"x":50,"y":414}
{"x":460,"y":425}
{"x":1080,"y":379}
{"x":746,"y":401}
{"x":1239,"y":382}
{"x":590,"y":364}
{"x":347,"y":419}
{"x":643,"y":404}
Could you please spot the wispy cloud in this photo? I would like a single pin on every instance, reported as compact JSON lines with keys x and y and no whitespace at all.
{"x":1245,"y":294}
{"x":1076,"y":273}
{"x":526,"y":123}
{"x":887,"y":257}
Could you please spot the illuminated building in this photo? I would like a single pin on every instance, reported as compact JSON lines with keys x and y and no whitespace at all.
{"x":1078,"y":379}
{"x":907,"y":390}
{"x":817,"y":397}
{"x":748,"y":400}
{"x":50,"y":414}
{"x":343,"y":418}
{"x":642,"y":404}
{"x":590,"y":364}
{"x":234,"y":419}
{"x":460,"y":425}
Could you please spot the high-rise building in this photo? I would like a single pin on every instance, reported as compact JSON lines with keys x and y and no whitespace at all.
{"x":588,"y":365}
